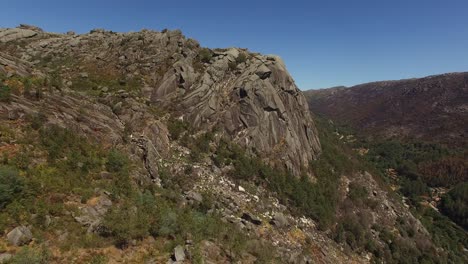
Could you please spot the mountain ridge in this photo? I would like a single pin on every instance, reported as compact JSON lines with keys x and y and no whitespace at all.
{"x":401,"y":107}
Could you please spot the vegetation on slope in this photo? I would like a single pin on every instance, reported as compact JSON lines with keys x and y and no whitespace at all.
{"x":455,"y":204}
{"x":57,"y":171}
{"x":410,"y":161}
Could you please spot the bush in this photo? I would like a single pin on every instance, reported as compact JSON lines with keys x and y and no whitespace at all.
{"x":205,"y":55}
{"x":37,"y":120}
{"x":455,"y":204}
{"x":200,"y":145}
{"x":176,"y":127}
{"x":413,"y":189}
{"x":317,"y":200}
{"x":232,"y":65}
{"x":117,"y":162}
{"x":30,"y":256}
{"x":241,"y":58}
{"x":5,"y":94}
{"x":127,"y":222}
{"x":357,"y":192}
{"x":10,"y":185}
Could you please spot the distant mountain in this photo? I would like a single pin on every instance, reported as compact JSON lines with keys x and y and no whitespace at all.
{"x":434,"y":108}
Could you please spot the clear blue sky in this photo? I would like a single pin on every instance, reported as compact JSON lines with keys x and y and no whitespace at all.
{"x":324,"y":43}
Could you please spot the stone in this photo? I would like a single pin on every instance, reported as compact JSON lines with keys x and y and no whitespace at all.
{"x":5,"y":257}
{"x":232,"y":52}
{"x":47,"y":221}
{"x":93,"y":212}
{"x":12,"y":34}
{"x":279,"y":220}
{"x":194,"y":196}
{"x":211,"y":252}
{"x":263,"y":72}
{"x":30,"y":27}
{"x":84,"y":75}
{"x":241,"y":189}
{"x":13,"y":115}
{"x":179,"y":253}
{"x":19,"y":236}
{"x":105,"y":175}
{"x":117,"y":108}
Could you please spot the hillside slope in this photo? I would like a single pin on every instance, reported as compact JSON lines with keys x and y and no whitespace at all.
{"x":433,"y":108}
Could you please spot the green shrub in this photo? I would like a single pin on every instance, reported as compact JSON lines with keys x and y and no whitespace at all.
{"x":127,"y":222}
{"x":241,"y":58}
{"x":316,"y":200}
{"x":30,"y":256}
{"x":413,"y":189}
{"x":200,"y":145}
{"x":176,"y":127}
{"x":455,"y":204}
{"x":37,"y":120}
{"x":357,"y":192}
{"x":232,"y":65}
{"x":205,"y":55}
{"x":117,"y":161}
{"x":10,"y":185}
{"x":5,"y":94}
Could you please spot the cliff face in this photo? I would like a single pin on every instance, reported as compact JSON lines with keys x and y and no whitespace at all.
{"x":256,"y":102}
{"x":250,"y":97}
{"x":433,"y":108}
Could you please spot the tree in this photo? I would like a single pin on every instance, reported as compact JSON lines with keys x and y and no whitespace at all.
{"x":10,"y":185}
{"x":455,"y":204}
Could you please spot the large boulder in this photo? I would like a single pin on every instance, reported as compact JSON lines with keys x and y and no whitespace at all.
{"x":93,"y":212}
{"x":19,"y":236}
{"x":11,"y":34}
{"x":279,"y":220}
{"x":179,"y":254}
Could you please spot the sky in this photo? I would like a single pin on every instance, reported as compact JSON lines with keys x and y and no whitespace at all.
{"x":323,"y":43}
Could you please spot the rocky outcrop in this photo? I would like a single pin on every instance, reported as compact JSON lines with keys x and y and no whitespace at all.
{"x":11,"y":34}
{"x":251,"y":97}
{"x":258,"y":104}
{"x":260,"y":107}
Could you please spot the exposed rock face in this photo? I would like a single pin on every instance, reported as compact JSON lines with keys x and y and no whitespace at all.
{"x":11,"y":34}
{"x":251,"y":97}
{"x":260,"y":106}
